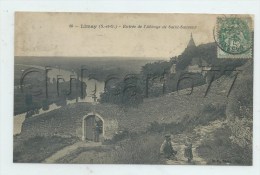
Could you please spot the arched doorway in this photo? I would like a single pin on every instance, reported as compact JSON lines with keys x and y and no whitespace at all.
{"x":92,"y":127}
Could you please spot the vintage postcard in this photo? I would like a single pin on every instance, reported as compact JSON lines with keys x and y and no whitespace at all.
{"x":133,"y":88}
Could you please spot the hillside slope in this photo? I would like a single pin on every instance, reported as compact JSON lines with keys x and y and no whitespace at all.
{"x":165,"y":109}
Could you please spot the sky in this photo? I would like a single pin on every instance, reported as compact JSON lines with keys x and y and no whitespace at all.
{"x":51,"y":34}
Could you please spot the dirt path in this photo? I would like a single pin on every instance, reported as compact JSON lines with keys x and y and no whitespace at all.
{"x":69,"y":149}
{"x":199,"y":134}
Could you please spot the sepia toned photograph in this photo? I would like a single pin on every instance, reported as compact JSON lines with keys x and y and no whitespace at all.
{"x":133,"y":88}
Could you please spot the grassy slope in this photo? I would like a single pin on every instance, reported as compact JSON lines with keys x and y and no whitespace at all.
{"x":36,"y":149}
{"x":220,"y":148}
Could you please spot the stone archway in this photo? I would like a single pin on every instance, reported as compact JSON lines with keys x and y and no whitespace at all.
{"x":92,"y":127}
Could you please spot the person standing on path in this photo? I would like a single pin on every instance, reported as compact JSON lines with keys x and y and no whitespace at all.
{"x":96,"y":133}
{"x":188,"y":151}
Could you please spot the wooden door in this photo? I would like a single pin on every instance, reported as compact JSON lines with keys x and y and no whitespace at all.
{"x":90,"y":127}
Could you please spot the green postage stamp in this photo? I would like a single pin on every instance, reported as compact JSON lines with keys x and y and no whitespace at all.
{"x":234,"y":37}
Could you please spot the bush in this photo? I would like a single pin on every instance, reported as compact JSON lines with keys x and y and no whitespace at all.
{"x":121,"y":135}
{"x":188,"y":123}
{"x":210,"y":113}
{"x":127,"y":92}
{"x":144,"y":149}
{"x":242,"y":132}
{"x":221,"y":150}
{"x":173,"y":128}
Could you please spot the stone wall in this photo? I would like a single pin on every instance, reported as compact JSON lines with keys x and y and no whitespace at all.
{"x":67,"y":122}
